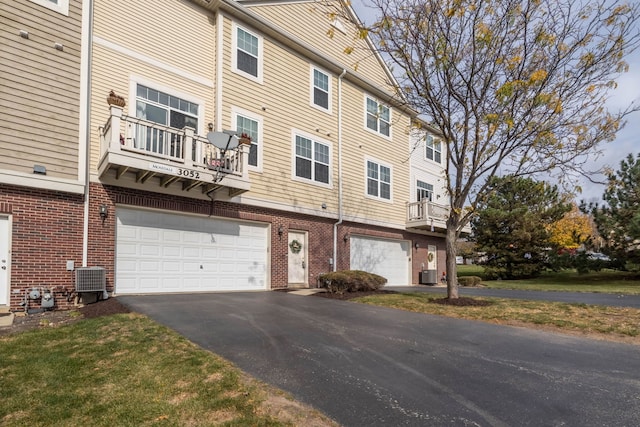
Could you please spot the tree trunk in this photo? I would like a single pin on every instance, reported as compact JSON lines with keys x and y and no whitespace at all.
{"x":452,"y":269}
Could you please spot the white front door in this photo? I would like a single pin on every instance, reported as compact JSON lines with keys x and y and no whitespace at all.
{"x":4,"y":260}
{"x":432,"y":257}
{"x":297,"y":259}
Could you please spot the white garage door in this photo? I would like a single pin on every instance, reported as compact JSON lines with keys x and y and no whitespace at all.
{"x":160,"y":252}
{"x":388,"y":258}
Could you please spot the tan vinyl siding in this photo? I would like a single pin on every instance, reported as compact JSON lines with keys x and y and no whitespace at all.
{"x":174,"y":32}
{"x":40,"y":88}
{"x":360,"y":144}
{"x":114,"y":71}
{"x":309,"y":22}
{"x":285,"y":96}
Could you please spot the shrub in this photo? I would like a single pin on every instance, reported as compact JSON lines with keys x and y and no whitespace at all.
{"x":340,"y":282}
{"x":469,"y":281}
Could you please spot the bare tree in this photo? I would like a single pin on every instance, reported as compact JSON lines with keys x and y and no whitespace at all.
{"x":514,"y":87}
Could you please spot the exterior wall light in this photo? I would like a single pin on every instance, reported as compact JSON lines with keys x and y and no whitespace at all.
{"x":104,"y":212}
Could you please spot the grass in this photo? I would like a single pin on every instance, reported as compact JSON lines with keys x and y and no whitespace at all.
{"x":612,"y":321}
{"x":607,"y":281}
{"x":122,"y":370}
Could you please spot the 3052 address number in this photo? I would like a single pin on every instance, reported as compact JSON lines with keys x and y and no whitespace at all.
{"x":189,"y":173}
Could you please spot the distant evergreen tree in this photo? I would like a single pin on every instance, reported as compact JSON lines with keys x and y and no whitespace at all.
{"x":618,"y":221}
{"x":512,"y":226}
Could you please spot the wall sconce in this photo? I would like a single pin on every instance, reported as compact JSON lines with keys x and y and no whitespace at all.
{"x":346,"y":237}
{"x":417,"y":245}
{"x":104,"y":212}
{"x":280,"y":231}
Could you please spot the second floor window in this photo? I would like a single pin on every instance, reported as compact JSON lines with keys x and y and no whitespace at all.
{"x":165,"y":109}
{"x":250,"y":127}
{"x":312,"y":160}
{"x":424,"y":190}
{"x":378,"y":117}
{"x":434,"y":149}
{"x":378,"y":180}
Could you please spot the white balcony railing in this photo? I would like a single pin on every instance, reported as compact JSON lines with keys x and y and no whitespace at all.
{"x":426,"y":210}
{"x":171,"y":146}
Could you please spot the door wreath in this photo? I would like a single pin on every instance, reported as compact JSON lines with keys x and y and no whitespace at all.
{"x":295,"y":246}
{"x":430,"y":257}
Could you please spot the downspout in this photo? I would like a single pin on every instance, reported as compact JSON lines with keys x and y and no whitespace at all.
{"x":85,"y":96}
{"x":219,"y":70}
{"x":340,"y":215}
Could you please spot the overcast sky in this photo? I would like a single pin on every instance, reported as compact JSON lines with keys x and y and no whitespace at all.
{"x":627,"y":141}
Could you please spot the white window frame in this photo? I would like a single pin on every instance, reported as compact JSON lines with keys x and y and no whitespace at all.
{"x":133,"y":90}
{"x":418,"y":188}
{"x":235,"y":112}
{"x":378,"y":119}
{"x":234,"y":53}
{"x":312,"y":87}
{"x":434,"y":142}
{"x":366,"y":179}
{"x":314,"y":140}
{"x":61,"y":6}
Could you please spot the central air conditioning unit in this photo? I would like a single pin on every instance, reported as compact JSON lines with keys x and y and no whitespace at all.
{"x":91,"y":279}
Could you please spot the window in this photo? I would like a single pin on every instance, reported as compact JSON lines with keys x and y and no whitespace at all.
{"x":321,"y":89}
{"x":60,"y":6}
{"x":424,"y":190}
{"x":378,"y":117}
{"x":434,"y":149}
{"x":250,"y":127}
{"x":160,"y":107}
{"x":378,"y":180}
{"x":312,"y":160}
{"x":247,"y":54}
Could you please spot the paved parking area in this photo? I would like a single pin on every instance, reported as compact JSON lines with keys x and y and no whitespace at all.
{"x":374,"y":366}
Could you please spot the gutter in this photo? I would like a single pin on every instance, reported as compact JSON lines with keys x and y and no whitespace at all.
{"x":340,"y":213}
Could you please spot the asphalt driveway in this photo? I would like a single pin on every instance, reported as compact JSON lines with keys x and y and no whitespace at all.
{"x":374,"y":366}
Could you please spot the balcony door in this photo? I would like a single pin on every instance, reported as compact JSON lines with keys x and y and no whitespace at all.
{"x":424,"y":194}
{"x":163,"y":109}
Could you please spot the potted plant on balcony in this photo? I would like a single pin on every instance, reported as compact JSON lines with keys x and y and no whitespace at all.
{"x":114,"y":99}
{"x":244,"y":138}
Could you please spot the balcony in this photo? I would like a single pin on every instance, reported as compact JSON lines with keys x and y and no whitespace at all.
{"x":427,"y":216}
{"x":167,"y":158}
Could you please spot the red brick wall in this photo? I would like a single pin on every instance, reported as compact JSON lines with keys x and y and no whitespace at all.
{"x":46,"y":233}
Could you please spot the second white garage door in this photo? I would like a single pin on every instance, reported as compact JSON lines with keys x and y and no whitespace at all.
{"x":388,"y":258}
{"x":158,"y":252}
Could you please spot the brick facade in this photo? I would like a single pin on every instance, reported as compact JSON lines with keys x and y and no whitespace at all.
{"x":46,"y":233}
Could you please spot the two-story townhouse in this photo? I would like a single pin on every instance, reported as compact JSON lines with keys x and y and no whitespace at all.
{"x":43,"y":82}
{"x":176,"y":204}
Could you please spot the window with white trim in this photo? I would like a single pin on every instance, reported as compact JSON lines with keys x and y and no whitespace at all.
{"x":434,"y":149}
{"x":164,"y":109}
{"x":424,"y":191}
{"x":251,"y":128}
{"x":378,"y":117}
{"x":321,"y":92}
{"x":60,"y":6}
{"x":312,"y":160}
{"x":247,"y":53}
{"x":378,"y":180}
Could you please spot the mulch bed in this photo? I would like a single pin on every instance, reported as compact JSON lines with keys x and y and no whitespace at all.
{"x":22,"y":323}
{"x":458,"y":302}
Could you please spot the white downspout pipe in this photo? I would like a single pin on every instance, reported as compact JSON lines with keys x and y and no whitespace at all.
{"x":85,"y":119}
{"x":340,"y":217}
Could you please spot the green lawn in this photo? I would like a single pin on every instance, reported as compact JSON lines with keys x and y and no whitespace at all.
{"x":607,"y":281}
{"x":125,"y":370}
{"x":608,"y":321}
